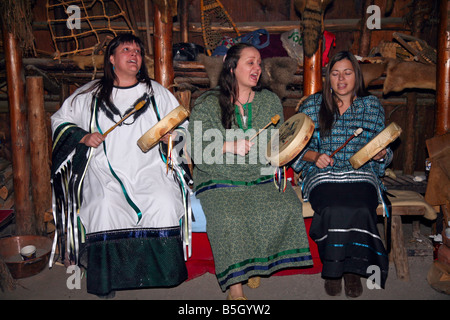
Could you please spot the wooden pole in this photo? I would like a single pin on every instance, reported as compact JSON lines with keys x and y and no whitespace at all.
{"x":163,"y":35}
{"x":365,"y":33}
{"x":40,"y":163}
{"x":410,"y":133}
{"x":19,"y":135}
{"x":312,"y":72}
{"x":147,"y":27}
{"x":443,"y":70}
{"x":398,"y":251}
{"x":132,"y":17}
{"x":184,"y":20}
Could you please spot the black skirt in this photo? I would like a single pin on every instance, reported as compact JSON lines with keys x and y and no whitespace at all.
{"x":344,"y":227}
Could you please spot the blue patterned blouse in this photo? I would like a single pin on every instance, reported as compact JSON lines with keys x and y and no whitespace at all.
{"x":366,"y":113}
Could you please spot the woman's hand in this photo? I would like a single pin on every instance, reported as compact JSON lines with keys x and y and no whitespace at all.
{"x":92,"y":139}
{"x":380,"y":155}
{"x":165,"y":138}
{"x":239,"y":147}
{"x":323,"y":160}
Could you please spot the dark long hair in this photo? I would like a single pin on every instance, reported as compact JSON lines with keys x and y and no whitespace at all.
{"x":105,"y":85}
{"x":228,"y":85}
{"x":329,"y":109}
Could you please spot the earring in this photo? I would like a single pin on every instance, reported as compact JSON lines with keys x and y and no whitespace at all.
{"x":114,"y":68}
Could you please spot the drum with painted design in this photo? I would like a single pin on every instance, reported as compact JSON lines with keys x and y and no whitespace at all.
{"x":292,"y":137}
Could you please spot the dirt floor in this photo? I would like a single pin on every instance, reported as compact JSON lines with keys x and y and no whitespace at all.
{"x":55,"y":283}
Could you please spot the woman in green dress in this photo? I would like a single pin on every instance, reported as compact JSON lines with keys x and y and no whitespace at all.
{"x":254,"y":228}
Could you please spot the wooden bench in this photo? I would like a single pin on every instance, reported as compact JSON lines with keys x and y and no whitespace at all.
{"x":405,"y":203}
{"x":399,"y":181}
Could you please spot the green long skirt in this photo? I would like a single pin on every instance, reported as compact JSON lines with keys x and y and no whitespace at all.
{"x":134,"y":258}
{"x":254,"y":231}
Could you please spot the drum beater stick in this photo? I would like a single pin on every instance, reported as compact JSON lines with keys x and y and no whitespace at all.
{"x":355,"y":134}
{"x":274,"y":120}
{"x":138,"y":106}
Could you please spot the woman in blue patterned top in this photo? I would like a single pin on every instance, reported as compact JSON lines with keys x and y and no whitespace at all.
{"x":344,"y":199}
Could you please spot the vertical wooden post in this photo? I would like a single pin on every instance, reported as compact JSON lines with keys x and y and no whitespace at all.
{"x":365,"y":33}
{"x":312,"y":72}
{"x":398,"y":249}
{"x":19,"y":135}
{"x":184,"y":20}
{"x":443,"y":70}
{"x":40,"y":163}
{"x":147,"y":27}
{"x":410,"y":135}
{"x":163,"y":49}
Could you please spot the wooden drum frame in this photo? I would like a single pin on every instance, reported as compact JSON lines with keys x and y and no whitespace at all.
{"x":378,"y":143}
{"x":168,"y":123}
{"x":293,"y":136}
